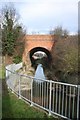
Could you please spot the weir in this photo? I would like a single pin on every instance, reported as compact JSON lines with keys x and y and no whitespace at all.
{"x":39,"y":80}
{"x":39,"y":74}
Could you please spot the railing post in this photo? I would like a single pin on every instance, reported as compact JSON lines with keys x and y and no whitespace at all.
{"x":78,"y":103}
{"x":7,"y":77}
{"x":19,"y":88}
{"x":32,"y":92}
{"x":50,"y":99}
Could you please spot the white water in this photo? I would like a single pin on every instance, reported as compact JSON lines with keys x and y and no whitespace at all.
{"x":39,"y":74}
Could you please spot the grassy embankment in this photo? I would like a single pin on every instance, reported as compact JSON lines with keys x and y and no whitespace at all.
{"x":2,"y":72}
{"x":12,"y":107}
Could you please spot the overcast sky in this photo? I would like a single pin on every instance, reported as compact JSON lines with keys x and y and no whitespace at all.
{"x":44,"y":15}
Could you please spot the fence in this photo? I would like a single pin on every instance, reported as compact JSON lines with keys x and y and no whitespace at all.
{"x":57,"y":98}
{"x":13,"y":67}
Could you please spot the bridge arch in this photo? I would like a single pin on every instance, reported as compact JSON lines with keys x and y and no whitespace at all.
{"x":34,"y":43}
{"x":42,"y":49}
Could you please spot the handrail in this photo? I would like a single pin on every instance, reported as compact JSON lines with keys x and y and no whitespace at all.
{"x":55,"y":97}
{"x":42,"y":79}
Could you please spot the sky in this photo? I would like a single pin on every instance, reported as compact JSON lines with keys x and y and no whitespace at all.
{"x":41,"y":16}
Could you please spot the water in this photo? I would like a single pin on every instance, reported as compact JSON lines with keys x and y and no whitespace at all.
{"x":39,"y":74}
{"x":38,"y":83}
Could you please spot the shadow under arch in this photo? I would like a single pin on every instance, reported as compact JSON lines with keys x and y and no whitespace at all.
{"x":36,"y":49}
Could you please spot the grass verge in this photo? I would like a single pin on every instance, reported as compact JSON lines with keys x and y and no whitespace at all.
{"x":2,"y":72}
{"x":12,"y":107}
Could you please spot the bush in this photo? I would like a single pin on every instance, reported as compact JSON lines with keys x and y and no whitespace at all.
{"x":17,"y":59}
{"x":65,"y":59}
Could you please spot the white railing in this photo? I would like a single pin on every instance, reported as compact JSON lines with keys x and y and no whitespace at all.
{"x":13,"y":67}
{"x":57,"y":98}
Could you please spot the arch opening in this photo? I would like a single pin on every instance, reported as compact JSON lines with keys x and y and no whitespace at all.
{"x":44,"y":58}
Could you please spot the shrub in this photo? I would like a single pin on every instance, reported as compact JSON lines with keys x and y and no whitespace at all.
{"x":17,"y":59}
{"x":65,"y":59}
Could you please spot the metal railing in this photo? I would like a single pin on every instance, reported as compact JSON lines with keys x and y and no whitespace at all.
{"x":57,"y":98}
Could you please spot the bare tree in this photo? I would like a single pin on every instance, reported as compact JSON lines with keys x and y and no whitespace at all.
{"x":59,"y":32}
{"x":65,"y":59}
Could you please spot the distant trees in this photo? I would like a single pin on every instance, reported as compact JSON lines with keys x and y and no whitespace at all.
{"x":59,"y":32}
{"x":12,"y":31}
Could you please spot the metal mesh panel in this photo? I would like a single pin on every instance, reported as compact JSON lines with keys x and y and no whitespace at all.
{"x":25,"y":87}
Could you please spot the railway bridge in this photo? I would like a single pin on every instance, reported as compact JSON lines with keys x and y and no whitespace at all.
{"x":35,"y":43}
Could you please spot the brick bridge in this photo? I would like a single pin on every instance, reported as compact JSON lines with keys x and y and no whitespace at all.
{"x":34,"y":43}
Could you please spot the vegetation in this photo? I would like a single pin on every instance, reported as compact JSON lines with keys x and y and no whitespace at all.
{"x":12,"y":32}
{"x":2,"y":72}
{"x":65,"y":59}
{"x":59,"y":32}
{"x":17,"y":59}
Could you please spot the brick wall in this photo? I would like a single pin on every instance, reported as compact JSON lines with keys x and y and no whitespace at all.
{"x":32,"y":41}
